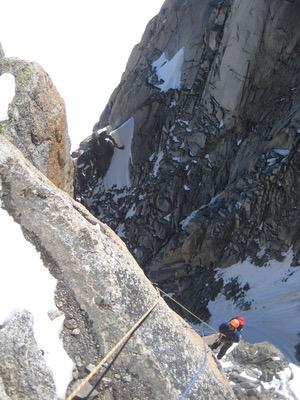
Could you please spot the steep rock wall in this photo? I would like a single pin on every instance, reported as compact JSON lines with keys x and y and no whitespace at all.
{"x":102,"y":292}
{"x":214,"y":158}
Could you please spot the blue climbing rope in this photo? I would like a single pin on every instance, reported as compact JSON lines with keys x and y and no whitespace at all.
{"x":203,"y":363}
{"x":195,"y":377}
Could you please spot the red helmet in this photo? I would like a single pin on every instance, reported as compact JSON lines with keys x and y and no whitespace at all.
{"x":241,"y":319}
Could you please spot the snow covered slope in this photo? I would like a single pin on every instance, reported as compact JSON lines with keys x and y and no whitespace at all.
{"x":269,"y":298}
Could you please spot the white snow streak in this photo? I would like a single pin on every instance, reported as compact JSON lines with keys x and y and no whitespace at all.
{"x":160,"y":156}
{"x":7,"y":93}
{"x":281,"y":151}
{"x":169,"y":71}
{"x":118,"y":172}
{"x":26,"y":284}
{"x":184,"y":223}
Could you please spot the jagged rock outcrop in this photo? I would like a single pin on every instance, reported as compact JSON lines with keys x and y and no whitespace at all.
{"x":23,"y":368}
{"x":208,"y":111}
{"x":37,"y":121}
{"x":258,"y":371}
{"x":102,"y":293}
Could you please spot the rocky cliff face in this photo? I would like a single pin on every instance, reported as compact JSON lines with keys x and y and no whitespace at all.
{"x":259,"y":372}
{"x":37,"y":121}
{"x":208,"y":114}
{"x":102,"y":292}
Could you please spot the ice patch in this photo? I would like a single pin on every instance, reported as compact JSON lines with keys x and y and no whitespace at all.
{"x":26,"y":284}
{"x":118,"y":172}
{"x":169,"y":71}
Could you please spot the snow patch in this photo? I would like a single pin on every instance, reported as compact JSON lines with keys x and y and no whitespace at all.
{"x":281,"y":151}
{"x":157,"y":163}
{"x":118,"y":172}
{"x":245,"y":375}
{"x":7,"y":93}
{"x":120,"y":231}
{"x":184,"y":223}
{"x":169,"y":71}
{"x":281,"y":384}
{"x":294,"y":383}
{"x":167,"y":217}
{"x":26,"y":284}
{"x":131,"y":212}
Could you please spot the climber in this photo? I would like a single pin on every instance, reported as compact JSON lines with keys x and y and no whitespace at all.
{"x":228,"y":334}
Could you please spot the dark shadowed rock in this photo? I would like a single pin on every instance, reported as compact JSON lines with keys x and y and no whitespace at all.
{"x":214,"y":157}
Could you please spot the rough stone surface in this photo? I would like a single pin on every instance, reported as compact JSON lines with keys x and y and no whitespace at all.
{"x":214,"y":166}
{"x":101,"y":287}
{"x":3,"y":394}
{"x":24,"y":373}
{"x":254,"y":367}
{"x":37,"y":121}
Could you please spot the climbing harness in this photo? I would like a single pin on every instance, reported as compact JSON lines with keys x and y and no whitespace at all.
{"x":124,"y":339}
{"x":114,"y":349}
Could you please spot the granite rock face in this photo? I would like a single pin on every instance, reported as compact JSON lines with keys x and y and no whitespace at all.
{"x":258,"y":371}
{"x":102,"y":292}
{"x":213,"y":160}
{"x":37,"y":121}
{"x":23,"y":369}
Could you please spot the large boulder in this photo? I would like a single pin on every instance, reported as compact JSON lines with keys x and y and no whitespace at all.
{"x":37,"y":122}
{"x":102,"y":292}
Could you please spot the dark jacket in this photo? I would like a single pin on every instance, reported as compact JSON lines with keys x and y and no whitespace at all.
{"x":233,"y":336}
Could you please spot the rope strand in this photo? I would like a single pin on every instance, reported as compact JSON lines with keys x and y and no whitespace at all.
{"x":187,"y":310}
{"x":113,"y":350}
